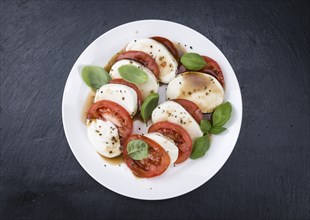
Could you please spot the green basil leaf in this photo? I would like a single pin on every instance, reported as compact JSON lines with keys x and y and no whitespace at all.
{"x":95,"y":76}
{"x":217,"y":130}
{"x":132,"y":74}
{"x":193,"y":61}
{"x":149,"y":105}
{"x":221,"y":114}
{"x":137,"y":149}
{"x":201,"y":146}
{"x":205,"y":126}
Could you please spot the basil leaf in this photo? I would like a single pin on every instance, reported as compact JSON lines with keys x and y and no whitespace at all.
{"x":221,"y":114}
{"x":149,"y":105}
{"x":95,"y":76}
{"x":137,"y":149}
{"x":193,"y":61}
{"x":201,"y":146}
{"x":217,"y":130}
{"x":132,"y":74}
{"x":205,"y":126}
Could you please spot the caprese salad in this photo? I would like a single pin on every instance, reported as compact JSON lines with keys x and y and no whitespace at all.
{"x":178,"y":128}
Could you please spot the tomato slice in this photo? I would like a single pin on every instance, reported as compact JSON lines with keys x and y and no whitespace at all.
{"x":141,"y":57}
{"x":178,"y":134}
{"x":131,"y":85}
{"x":191,"y":108}
{"x":155,"y":164}
{"x":113,"y":112}
{"x":169,"y":45}
{"x":213,"y":69}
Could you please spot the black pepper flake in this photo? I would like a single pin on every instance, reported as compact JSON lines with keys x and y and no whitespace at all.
{"x":139,"y":129}
{"x":101,"y":92}
{"x":151,"y":188}
{"x":174,"y":165}
{"x":105,"y":165}
{"x":158,"y":107}
{"x":135,"y":40}
{"x":184,"y":45}
{"x":180,"y":83}
{"x":119,"y":165}
{"x":100,"y":134}
{"x":123,"y":98}
{"x":106,"y":142}
{"x":189,"y":93}
{"x":151,"y":46}
{"x":110,"y":152}
{"x":209,"y":90}
{"x":191,"y":47}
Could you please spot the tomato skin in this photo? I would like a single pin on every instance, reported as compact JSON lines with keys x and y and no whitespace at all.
{"x":110,"y":111}
{"x":213,"y":69}
{"x":178,"y":134}
{"x":131,"y":85}
{"x":191,"y":108}
{"x":169,"y":45}
{"x":141,"y":57}
{"x":157,"y":162}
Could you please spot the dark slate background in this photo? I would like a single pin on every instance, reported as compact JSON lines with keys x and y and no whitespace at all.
{"x":268,"y":173}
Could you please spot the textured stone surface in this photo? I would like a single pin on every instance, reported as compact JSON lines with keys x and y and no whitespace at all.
{"x":267,"y":175}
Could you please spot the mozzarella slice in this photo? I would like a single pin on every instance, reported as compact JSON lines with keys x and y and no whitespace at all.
{"x":103,"y":135}
{"x":175,"y":113}
{"x":151,"y":85}
{"x":166,"y":143}
{"x":200,"y":88}
{"x":168,"y":66}
{"x":121,"y":94}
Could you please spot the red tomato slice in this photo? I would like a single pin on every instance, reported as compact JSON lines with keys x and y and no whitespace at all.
{"x":155,"y":164}
{"x":133,"y":86}
{"x":178,"y":134}
{"x":141,"y":57}
{"x":113,"y":112}
{"x":169,"y":45}
{"x":191,"y":108}
{"x":213,"y":69}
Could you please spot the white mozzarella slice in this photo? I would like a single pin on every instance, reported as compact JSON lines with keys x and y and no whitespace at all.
{"x":200,"y":88}
{"x":121,"y":94}
{"x":166,"y":143}
{"x":167,"y":64}
{"x":151,"y":85}
{"x":103,"y":135}
{"x":175,"y":113}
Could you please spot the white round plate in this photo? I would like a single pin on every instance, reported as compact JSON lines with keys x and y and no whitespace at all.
{"x":177,"y":180}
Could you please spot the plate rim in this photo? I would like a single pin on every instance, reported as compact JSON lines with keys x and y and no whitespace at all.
{"x":74,"y":151}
